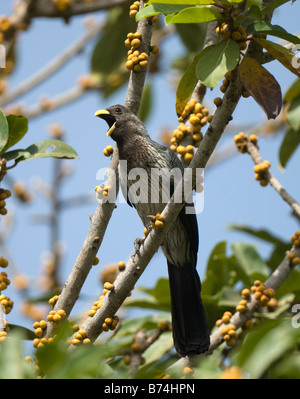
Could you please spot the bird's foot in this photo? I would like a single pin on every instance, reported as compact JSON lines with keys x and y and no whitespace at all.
{"x":137,"y":245}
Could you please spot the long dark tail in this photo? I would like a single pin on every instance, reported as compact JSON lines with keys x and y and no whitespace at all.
{"x":190,"y":330}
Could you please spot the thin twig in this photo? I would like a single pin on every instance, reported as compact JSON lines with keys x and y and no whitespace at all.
{"x":257,"y":159}
{"x":52,"y":66}
{"x":45,"y":8}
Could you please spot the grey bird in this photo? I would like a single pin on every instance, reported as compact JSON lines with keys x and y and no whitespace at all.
{"x":180,"y":246}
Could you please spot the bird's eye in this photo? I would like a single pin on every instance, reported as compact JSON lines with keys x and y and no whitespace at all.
{"x":118,"y":110}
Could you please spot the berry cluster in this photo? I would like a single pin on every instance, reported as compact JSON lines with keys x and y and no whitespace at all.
{"x":97,"y":304}
{"x":295,"y":239}
{"x":4,"y":281}
{"x":5,"y":24}
{"x":157,"y":222}
{"x":80,"y":338}
{"x":4,"y":194}
{"x":197,"y":116}
{"x":102,"y":191}
{"x":229,"y":332}
{"x":7,"y":303}
{"x":262,"y":294}
{"x":241,"y":141}
{"x":108,"y":150}
{"x":110,"y":323}
{"x":52,"y":301}
{"x":134,"y":8}
{"x":238,"y":34}
{"x":260,"y":171}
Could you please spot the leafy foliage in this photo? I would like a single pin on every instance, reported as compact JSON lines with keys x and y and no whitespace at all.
{"x":13,"y":128}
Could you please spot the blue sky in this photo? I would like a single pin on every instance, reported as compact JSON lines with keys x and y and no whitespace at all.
{"x":231,"y":193}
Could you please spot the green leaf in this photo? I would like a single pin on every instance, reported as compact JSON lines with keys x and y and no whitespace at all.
{"x":287,"y":368}
{"x":18,"y":127}
{"x":157,"y":298}
{"x":289,"y":145}
{"x":262,"y":86}
{"x":293,"y":114}
{"x":186,"y":2}
{"x":264,"y":346}
{"x":3,"y":130}
{"x":216,"y":275}
{"x":186,"y":86}
{"x":23,"y":332}
{"x":156,"y":9}
{"x":254,"y":12}
{"x":272,"y":30}
{"x":249,"y":262}
{"x":110,"y":52}
{"x":293,"y":91}
{"x":272,"y":6}
{"x":42,"y":149}
{"x":281,"y":54}
{"x":12,"y":363}
{"x":193,"y":15}
{"x":290,"y":284}
{"x":214,"y":61}
{"x":149,"y":322}
{"x":230,"y":2}
{"x":259,"y":233}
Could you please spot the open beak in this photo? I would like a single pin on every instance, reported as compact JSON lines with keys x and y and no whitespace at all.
{"x":109,"y":118}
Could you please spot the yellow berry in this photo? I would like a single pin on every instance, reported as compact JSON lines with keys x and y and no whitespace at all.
{"x":109,"y":149}
{"x":95,"y":261}
{"x":246,"y":292}
{"x":91,"y":313}
{"x":136,"y":347}
{"x":3,"y":262}
{"x":188,"y":157}
{"x":225,"y":319}
{"x":218,"y":101}
{"x":127,"y":360}
{"x":188,"y":370}
{"x":181,"y":150}
{"x":296,"y":261}
{"x":61,"y":313}
{"x":154,"y":49}
{"x":135,"y":43}
{"x":108,"y":286}
{"x":159,"y":224}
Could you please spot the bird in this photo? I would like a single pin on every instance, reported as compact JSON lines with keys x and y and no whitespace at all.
{"x":180,"y":246}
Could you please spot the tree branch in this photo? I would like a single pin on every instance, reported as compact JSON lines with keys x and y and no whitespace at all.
{"x":257,"y":159}
{"x":52,"y":66}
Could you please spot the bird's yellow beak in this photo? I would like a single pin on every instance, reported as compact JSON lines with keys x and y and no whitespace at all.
{"x":101,"y":114}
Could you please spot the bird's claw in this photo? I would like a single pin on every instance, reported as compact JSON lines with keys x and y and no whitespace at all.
{"x":137,"y":245}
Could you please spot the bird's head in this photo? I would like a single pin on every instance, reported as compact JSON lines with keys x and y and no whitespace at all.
{"x":122,"y":122}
